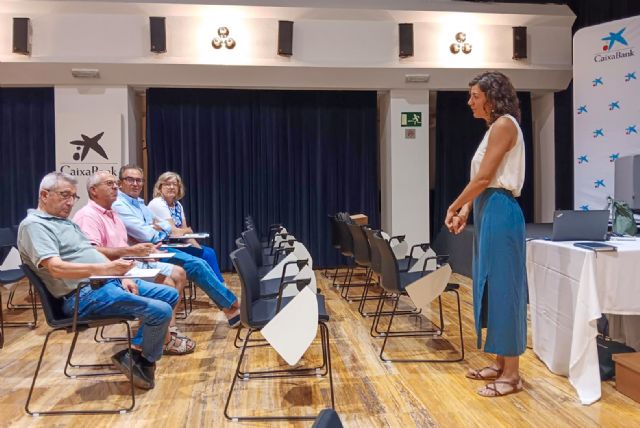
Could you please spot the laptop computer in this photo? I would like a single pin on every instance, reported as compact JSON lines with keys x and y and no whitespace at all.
{"x":580,"y":225}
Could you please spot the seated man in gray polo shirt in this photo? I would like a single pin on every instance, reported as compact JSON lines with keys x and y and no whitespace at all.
{"x":57,"y":250}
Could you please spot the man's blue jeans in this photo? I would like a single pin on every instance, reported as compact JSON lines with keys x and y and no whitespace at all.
{"x":201,"y":273}
{"x":153,"y":306}
{"x":208,"y":254}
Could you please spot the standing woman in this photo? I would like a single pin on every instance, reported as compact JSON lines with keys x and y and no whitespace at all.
{"x":166,"y":205}
{"x":499,"y":272}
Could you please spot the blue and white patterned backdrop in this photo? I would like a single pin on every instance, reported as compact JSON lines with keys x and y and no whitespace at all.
{"x":606,"y":100}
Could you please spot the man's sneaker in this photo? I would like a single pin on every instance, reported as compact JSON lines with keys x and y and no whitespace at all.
{"x":143,"y":377}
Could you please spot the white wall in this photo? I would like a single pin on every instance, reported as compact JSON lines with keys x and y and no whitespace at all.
{"x":544,"y":176}
{"x":405,"y":170}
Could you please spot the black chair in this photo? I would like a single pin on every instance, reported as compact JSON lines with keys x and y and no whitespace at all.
{"x":264,"y":262}
{"x":58,"y":321}
{"x":8,"y":238}
{"x":347,"y":250}
{"x":394,"y":282}
{"x":255,"y":313}
{"x":249,"y":223}
{"x":328,"y":418}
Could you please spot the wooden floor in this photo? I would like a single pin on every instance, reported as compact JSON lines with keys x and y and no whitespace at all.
{"x":191,"y":390}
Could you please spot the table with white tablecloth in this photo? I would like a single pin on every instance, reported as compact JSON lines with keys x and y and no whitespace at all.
{"x":569,"y":289}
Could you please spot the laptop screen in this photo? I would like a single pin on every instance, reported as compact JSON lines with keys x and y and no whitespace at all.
{"x":580,"y":225}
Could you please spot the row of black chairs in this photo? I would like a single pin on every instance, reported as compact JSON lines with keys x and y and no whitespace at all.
{"x":260,"y":303}
{"x":367,"y":249}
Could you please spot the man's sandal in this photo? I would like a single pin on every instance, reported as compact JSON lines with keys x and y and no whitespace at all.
{"x":179,"y":346}
{"x":476,"y":374}
{"x":491,"y":390}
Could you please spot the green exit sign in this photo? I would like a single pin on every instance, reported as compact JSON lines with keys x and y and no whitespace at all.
{"x":411,"y":119}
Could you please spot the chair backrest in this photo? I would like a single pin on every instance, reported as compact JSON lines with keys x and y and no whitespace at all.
{"x":8,"y":238}
{"x":361,"y":249}
{"x":346,"y":241}
{"x":376,"y":265}
{"x":390,"y":276}
{"x":51,"y":306}
{"x":252,"y":243}
{"x":249,"y":282}
{"x":335,"y":231}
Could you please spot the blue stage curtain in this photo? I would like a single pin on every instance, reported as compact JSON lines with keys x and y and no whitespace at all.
{"x":290,"y":157}
{"x":27,"y":147}
{"x":458,"y":134}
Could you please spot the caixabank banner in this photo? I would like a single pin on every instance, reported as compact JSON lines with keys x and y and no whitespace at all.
{"x":606,"y":100}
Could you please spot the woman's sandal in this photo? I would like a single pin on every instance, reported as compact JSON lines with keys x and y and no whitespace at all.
{"x":476,"y":374}
{"x":514,"y":387}
{"x":179,"y":346}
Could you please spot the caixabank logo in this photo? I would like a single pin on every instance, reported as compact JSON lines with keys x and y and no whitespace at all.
{"x":82,"y":148}
{"x":615,"y":47}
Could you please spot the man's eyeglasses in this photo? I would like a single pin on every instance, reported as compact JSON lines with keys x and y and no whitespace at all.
{"x":110,"y":183}
{"x":131,"y":180}
{"x":66,"y":195}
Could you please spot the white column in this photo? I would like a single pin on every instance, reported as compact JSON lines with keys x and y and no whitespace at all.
{"x":543,"y":158}
{"x":404,"y":164}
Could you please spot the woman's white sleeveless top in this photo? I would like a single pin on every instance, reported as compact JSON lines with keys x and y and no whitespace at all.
{"x":510,"y":173}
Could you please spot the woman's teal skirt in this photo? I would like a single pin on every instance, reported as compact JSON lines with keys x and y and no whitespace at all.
{"x":499,"y":273}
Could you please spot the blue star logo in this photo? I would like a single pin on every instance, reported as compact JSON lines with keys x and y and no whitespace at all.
{"x":582,"y":109}
{"x":599,"y":183}
{"x":584,"y":207}
{"x":613,"y":157}
{"x":613,"y":38}
{"x":614,"y":105}
{"x":597,"y":81}
{"x":598,"y":133}
{"x":631,"y":129}
{"x":630,"y":76}
{"x":583,"y":159}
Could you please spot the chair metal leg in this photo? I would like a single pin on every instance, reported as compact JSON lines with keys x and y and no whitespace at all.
{"x":76,"y":411}
{"x":1,"y":324}
{"x":33,"y":306}
{"x":101,"y":338}
{"x":262,"y":342}
{"x":418,"y":333}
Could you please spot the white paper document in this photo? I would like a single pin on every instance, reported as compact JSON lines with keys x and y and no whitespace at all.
{"x":175,"y":245}
{"x":152,"y":256}
{"x":293,"y":329}
{"x":194,"y":236}
{"x":132,"y":274}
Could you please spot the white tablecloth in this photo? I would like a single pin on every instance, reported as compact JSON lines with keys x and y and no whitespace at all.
{"x":569,"y":289}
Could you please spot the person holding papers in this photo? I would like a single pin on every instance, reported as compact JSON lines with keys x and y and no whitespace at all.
{"x":166,"y":205}
{"x":107,"y":233}
{"x":57,"y":250}
{"x":143,"y":226}
{"x":499,"y":271}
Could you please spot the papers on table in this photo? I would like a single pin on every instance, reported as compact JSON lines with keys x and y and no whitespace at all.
{"x":175,"y":245}
{"x":152,"y":256}
{"x":132,"y":274}
{"x":192,"y":236}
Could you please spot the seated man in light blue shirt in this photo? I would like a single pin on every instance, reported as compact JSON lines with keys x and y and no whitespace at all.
{"x":143,"y":226}
{"x":58,"y":252}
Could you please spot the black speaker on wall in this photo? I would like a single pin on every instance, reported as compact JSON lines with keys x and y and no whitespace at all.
{"x":519,"y":42}
{"x":406,"y":40}
{"x":285,"y":38}
{"x":158,"y":34}
{"x":22,"y":36}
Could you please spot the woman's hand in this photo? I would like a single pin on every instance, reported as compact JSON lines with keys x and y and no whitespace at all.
{"x":455,"y":221}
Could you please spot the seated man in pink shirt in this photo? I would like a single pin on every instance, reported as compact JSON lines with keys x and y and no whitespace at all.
{"x":108,"y":234}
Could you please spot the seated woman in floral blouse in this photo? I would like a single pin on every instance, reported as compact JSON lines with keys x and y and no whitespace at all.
{"x":166,"y":205}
